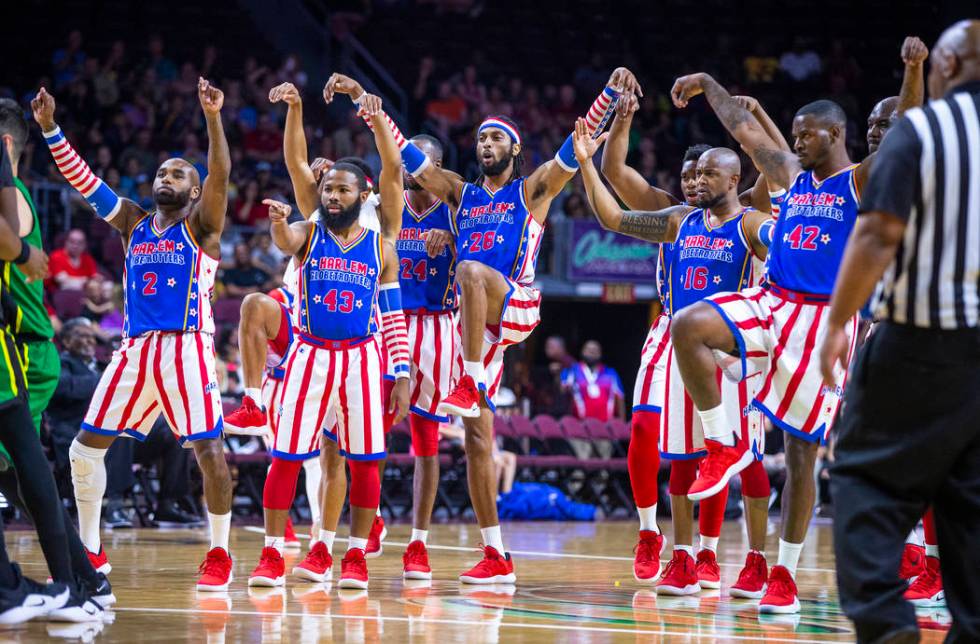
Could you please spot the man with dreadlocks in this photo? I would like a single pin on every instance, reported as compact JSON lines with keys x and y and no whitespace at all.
{"x":497,"y":223}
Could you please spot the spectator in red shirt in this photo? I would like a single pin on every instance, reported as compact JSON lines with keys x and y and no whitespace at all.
{"x":248,"y":208}
{"x":264,"y":143}
{"x":448,"y":108}
{"x":596,"y":388}
{"x":71,"y":267}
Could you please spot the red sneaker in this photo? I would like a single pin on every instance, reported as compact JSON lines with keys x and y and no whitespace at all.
{"x":215,"y":571}
{"x":248,"y":420}
{"x":318,"y":565}
{"x":751,"y":582}
{"x":927,"y":589}
{"x":353,"y":570}
{"x":781,"y":597}
{"x":720,"y":465}
{"x":99,"y":561}
{"x":292,"y":541}
{"x":271,"y":570}
{"x":494,"y":568}
{"x":646,"y":562}
{"x":680,"y":577}
{"x":707,"y":570}
{"x":375,"y":537}
{"x":913,"y":562}
{"x":416,"y":562}
{"x":463,"y":401}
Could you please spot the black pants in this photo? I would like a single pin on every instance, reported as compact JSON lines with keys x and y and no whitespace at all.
{"x":160,"y":446}
{"x":909,"y":437}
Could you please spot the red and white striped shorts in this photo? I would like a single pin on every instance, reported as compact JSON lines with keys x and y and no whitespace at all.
{"x":433,"y":341}
{"x":271,"y":387}
{"x":520,"y":315}
{"x":331,"y":379}
{"x":278,"y":347}
{"x":779,"y":333}
{"x":648,"y":392}
{"x":169,"y":373}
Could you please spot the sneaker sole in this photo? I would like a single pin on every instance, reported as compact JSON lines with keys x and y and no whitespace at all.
{"x":740,"y":593}
{"x":245,"y":431}
{"x":452,"y":410}
{"x":104,"y":600}
{"x":709,"y":585}
{"x":485,"y":581}
{"x":416,"y":574}
{"x":928,"y":602}
{"x":75,"y":614}
{"x":308,"y":575}
{"x":647,"y":580}
{"x":772,"y":609}
{"x":356,"y":584}
{"x":216,"y":588}
{"x":267,"y":582}
{"x":21,"y":614}
{"x":722,"y":483}
{"x":677,"y":591}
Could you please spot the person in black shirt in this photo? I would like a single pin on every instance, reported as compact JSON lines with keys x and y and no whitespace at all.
{"x":245,"y":275}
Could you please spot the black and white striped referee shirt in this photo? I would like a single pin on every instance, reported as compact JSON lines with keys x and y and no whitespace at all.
{"x":927,"y":172}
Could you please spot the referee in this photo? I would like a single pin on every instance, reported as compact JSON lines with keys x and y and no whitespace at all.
{"x":910,"y":431}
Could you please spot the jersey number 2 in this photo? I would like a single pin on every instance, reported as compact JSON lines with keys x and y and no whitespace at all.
{"x":149,"y":283}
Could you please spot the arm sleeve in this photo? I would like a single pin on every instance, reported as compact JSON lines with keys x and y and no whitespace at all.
{"x":73,"y":168}
{"x":596,"y":119}
{"x":394,"y":328}
{"x":895,"y":176}
{"x":412,"y":156}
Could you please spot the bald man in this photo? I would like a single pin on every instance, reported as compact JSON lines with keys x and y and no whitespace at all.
{"x":166,"y":362}
{"x":718,"y":246}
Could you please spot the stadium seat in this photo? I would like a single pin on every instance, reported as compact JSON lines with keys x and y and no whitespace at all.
{"x":67,"y":303}
{"x":228,"y":311}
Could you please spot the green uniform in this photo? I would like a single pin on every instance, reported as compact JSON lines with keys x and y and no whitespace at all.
{"x":31,"y":327}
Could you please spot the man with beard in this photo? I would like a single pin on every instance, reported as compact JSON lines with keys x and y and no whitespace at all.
{"x":717,"y":245}
{"x":348,"y":279}
{"x":166,"y":362}
{"x":498,"y":223}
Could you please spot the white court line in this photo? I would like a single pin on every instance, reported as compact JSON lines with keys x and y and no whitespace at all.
{"x":474,"y":622}
{"x":527,"y":553}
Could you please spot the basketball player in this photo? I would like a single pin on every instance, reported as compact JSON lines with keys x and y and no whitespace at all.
{"x":775,"y":326}
{"x":498,"y":224}
{"x":166,"y":362}
{"x":720,"y":246}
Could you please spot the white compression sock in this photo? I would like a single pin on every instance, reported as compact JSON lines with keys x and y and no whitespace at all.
{"x":279,"y":543}
{"x":357,"y":542}
{"x":314,"y":474}
{"x":789,"y":555}
{"x":492,"y":537}
{"x":89,"y":478}
{"x":709,"y":543}
{"x":648,"y":518}
{"x":475,"y":371}
{"x":688,"y":549}
{"x":419,"y":535}
{"x":326,"y":538}
{"x":220,"y":525}
{"x":255,"y":394}
{"x":716,"y":425}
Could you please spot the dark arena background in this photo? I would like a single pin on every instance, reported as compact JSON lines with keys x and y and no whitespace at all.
{"x":124,"y":76}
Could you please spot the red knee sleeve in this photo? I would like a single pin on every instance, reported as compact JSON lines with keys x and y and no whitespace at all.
{"x":280,"y":484}
{"x":682,"y":474}
{"x":425,"y":435}
{"x":755,"y":481}
{"x":365,"y":484}
{"x":712,"y":514}
{"x":643,"y":457}
{"x":929,"y":529}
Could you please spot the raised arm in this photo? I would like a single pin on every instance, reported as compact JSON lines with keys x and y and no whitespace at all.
{"x":119,"y":213}
{"x":629,"y":184}
{"x":211,"y":210}
{"x":654,"y":226}
{"x":391,"y":182}
{"x":764,"y":121}
{"x":779,"y":166}
{"x":446,"y":186}
{"x":289,"y":238}
{"x":294,"y":150}
{"x":395,"y":331}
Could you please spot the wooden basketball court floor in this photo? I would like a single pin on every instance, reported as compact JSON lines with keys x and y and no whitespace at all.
{"x":575,"y":584}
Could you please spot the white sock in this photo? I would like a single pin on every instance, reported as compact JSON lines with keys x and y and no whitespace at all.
{"x":357,"y":542}
{"x":709,"y":543}
{"x":491,"y":537}
{"x":715,"y":425}
{"x":220,"y":529}
{"x":789,"y":555}
{"x":648,"y":518}
{"x":89,"y":478}
{"x":255,"y":394}
{"x":914,"y":538}
{"x":279,"y":543}
{"x":688,"y":549}
{"x":313,"y":475}
{"x":326,"y":538}
{"x":932,"y":551}
{"x":419,"y":535}
{"x":475,"y":371}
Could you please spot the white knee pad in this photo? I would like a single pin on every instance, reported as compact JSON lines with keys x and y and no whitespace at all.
{"x":87,"y":471}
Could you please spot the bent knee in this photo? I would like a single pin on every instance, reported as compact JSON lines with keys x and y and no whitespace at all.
{"x":469,"y":272}
{"x":700,"y":323}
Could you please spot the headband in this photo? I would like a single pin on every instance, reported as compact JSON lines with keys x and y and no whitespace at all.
{"x":506,"y":127}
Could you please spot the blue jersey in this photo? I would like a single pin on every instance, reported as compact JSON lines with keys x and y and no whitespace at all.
{"x":338,"y":285}
{"x":706,"y":260}
{"x":169,"y":280}
{"x":811,"y":232}
{"x":426,"y":282}
{"x":497,"y":229}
